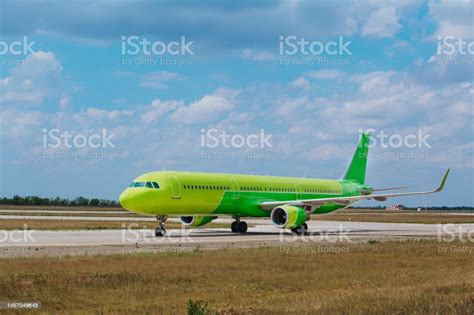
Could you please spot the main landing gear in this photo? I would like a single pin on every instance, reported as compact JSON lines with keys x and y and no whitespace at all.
{"x":301,"y":230}
{"x":238,"y":226}
{"x":160,"y":231}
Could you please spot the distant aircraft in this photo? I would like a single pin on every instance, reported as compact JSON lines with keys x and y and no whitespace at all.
{"x":199,"y":198}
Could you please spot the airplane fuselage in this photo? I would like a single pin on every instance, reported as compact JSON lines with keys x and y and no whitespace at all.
{"x":193,"y":193}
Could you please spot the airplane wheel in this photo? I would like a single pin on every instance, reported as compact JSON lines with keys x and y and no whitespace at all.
{"x":234,"y":227}
{"x":159,"y":232}
{"x":242,"y":227}
{"x":301,"y":230}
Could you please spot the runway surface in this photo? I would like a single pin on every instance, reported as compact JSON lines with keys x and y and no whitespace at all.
{"x":33,"y":242}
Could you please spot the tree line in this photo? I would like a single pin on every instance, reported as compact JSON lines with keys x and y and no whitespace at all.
{"x":40,"y":201}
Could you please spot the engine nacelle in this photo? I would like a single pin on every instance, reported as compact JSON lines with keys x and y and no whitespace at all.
{"x":288,"y":217}
{"x":197,"y":220}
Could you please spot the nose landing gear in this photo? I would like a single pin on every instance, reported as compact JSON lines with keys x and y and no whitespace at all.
{"x":238,"y":226}
{"x":160,"y":231}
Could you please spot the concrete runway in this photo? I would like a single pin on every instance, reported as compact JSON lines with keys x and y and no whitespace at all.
{"x":33,"y":242}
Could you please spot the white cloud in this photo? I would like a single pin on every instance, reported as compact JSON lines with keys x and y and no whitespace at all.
{"x":64,"y":102}
{"x":255,"y":55}
{"x":382,"y":23}
{"x":301,"y":82}
{"x":399,"y":47}
{"x":326,"y":74}
{"x":207,"y":108}
{"x":454,"y":18}
{"x":159,"y":108}
{"x":152,"y":80}
{"x":295,"y":106}
{"x":31,"y":82}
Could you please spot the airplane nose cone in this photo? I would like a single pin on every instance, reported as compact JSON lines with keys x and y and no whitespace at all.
{"x":125,"y":200}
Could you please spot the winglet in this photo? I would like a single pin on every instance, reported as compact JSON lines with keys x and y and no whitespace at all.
{"x":440,"y":187}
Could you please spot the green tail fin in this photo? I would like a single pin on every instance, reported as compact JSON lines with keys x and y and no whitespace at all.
{"x":356,"y":169}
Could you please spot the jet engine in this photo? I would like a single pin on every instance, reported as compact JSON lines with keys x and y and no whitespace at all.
{"x":198,"y":220}
{"x":288,"y":217}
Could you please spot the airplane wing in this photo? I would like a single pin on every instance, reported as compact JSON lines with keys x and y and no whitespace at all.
{"x":347,"y":200}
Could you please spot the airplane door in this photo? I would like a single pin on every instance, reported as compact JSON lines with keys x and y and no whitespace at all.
{"x":235,"y":188}
{"x":299,"y":195}
{"x":175,"y":187}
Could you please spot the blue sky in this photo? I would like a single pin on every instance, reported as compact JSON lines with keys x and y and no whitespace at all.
{"x":76,"y":79}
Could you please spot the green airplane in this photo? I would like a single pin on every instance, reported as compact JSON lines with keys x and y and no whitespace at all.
{"x":199,"y":198}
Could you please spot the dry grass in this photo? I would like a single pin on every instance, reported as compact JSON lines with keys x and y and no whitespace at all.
{"x":382,"y":278}
{"x":398,"y":217}
{"x":75,"y":214}
{"x":62,"y":208}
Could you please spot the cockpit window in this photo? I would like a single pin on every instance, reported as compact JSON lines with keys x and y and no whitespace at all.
{"x":145,"y":184}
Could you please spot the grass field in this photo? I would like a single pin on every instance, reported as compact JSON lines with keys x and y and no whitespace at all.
{"x":85,"y":208}
{"x":72,"y":214}
{"x":398,"y":217}
{"x":394,"y":277}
